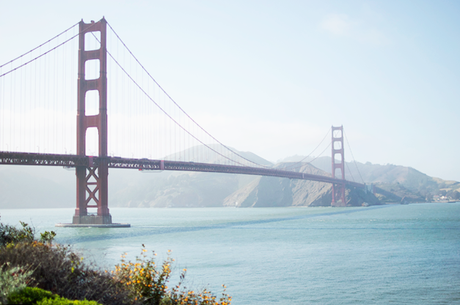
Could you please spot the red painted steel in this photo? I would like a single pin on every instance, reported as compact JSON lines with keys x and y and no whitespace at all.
{"x":92,"y":180}
{"x":338,"y":162}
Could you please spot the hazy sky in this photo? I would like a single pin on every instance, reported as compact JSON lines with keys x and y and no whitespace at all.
{"x":272,"y":77}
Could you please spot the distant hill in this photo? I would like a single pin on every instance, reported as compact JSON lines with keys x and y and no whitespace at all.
{"x":275,"y":192}
{"x":168,"y":189}
{"x":180,"y":189}
{"x":282,"y":192}
{"x":394,"y":182}
{"x":36,"y":187}
{"x":218,"y":154}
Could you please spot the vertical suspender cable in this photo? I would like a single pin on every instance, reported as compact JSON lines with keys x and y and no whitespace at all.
{"x":354,"y":161}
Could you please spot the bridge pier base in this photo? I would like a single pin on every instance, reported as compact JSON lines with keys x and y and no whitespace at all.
{"x":338,"y":195}
{"x":92,"y":219}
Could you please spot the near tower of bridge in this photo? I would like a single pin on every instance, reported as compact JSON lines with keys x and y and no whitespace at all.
{"x":92,"y":181}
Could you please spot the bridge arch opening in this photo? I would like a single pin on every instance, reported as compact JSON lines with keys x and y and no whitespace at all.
{"x":92,"y":41}
{"x":92,"y":102}
{"x":92,"y":141}
{"x":338,"y":158}
{"x":92,"y":69}
{"x":337,"y":145}
{"x":337,"y":133}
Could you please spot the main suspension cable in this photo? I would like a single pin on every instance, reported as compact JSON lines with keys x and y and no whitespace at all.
{"x":329,"y":145}
{"x":39,"y":45}
{"x":166,"y":113}
{"x":298,"y":164}
{"x":354,"y":161}
{"x":349,"y":171}
{"x":177,"y":105}
{"x":43,"y":54}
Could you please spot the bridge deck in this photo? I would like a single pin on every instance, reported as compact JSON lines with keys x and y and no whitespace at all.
{"x":18,"y":158}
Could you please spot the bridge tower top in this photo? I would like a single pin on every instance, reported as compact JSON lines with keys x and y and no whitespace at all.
{"x":99,"y":120}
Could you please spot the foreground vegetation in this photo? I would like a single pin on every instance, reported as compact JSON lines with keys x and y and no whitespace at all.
{"x":38,"y":271}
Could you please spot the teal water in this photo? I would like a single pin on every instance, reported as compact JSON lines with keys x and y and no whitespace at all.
{"x":401,"y":254}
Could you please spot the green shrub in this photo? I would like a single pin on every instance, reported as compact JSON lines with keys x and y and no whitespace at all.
{"x":64,"y":301}
{"x":12,"y":280}
{"x":61,"y":271}
{"x":30,"y":295}
{"x":36,"y":295}
{"x":12,"y":235}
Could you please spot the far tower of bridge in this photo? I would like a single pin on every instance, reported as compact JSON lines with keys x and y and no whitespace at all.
{"x":338,"y":161}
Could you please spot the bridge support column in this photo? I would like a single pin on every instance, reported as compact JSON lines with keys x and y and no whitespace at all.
{"x":338,"y":161}
{"x":338,"y":195}
{"x":92,"y":193}
{"x":92,"y":181}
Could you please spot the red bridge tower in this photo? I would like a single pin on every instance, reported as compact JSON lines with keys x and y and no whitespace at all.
{"x":92,"y":181}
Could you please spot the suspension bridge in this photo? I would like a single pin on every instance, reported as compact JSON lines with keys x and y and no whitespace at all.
{"x":125,"y":119}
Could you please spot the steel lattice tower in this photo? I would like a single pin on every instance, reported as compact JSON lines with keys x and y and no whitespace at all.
{"x":92,"y":181}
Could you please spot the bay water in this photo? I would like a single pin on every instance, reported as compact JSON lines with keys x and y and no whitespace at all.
{"x":400,"y":254}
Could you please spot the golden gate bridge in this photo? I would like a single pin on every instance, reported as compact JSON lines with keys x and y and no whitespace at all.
{"x":37,"y":121}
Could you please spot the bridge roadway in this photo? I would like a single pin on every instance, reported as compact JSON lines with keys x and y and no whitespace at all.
{"x":18,"y":158}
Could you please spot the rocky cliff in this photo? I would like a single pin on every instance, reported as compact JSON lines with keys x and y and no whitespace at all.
{"x":282,"y":192}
